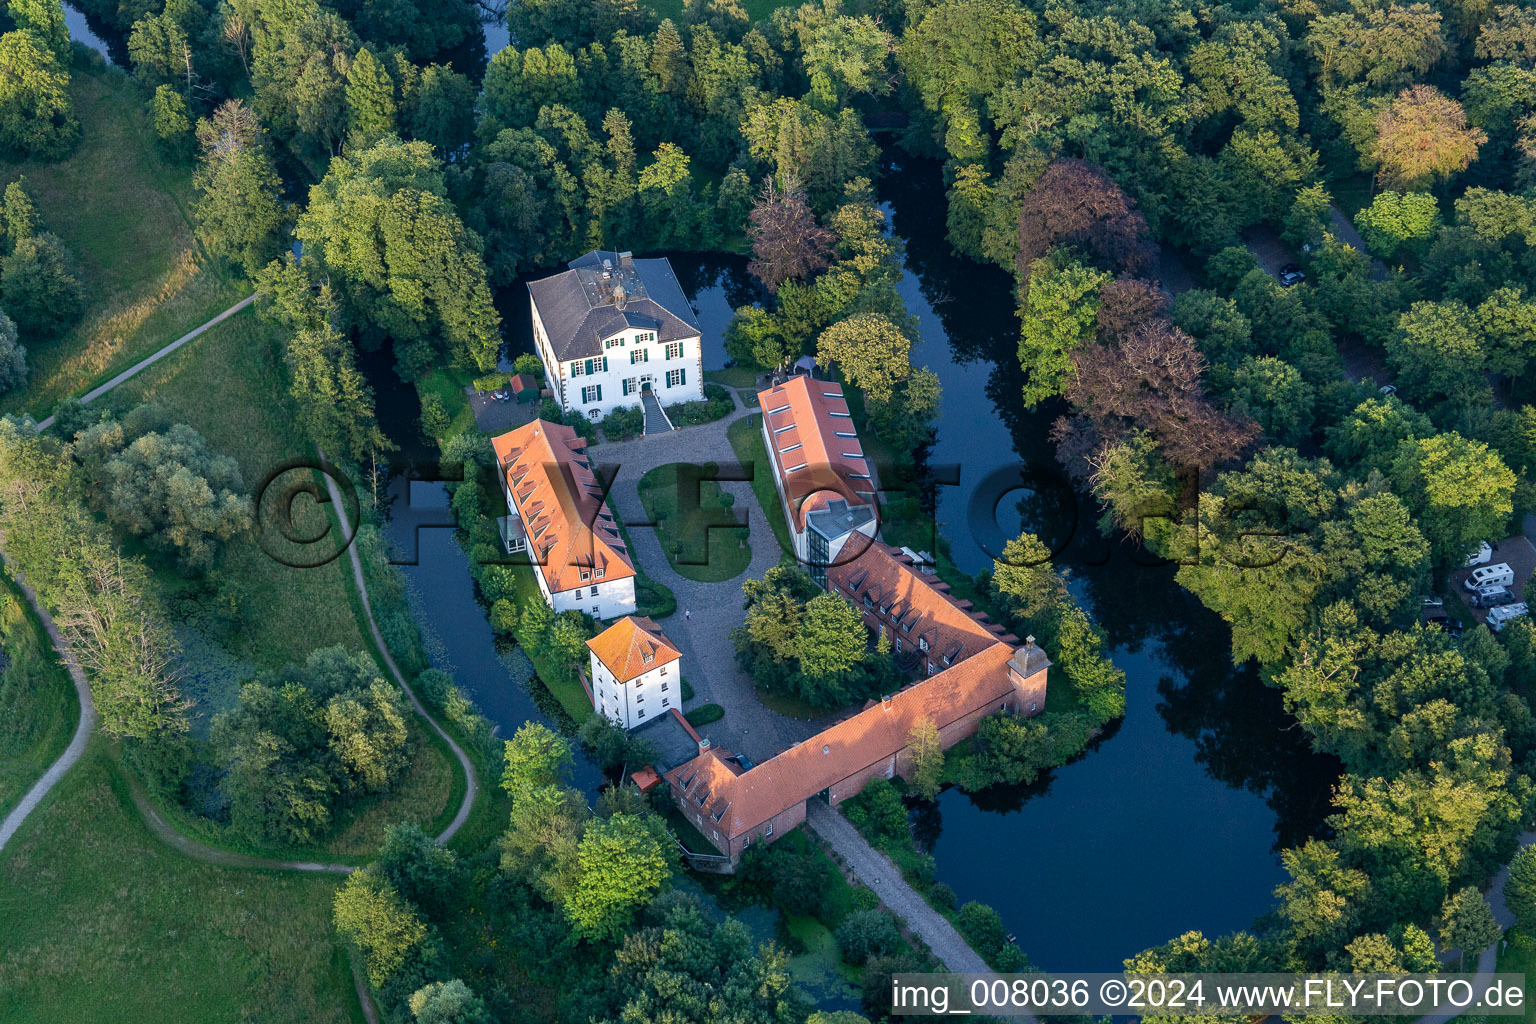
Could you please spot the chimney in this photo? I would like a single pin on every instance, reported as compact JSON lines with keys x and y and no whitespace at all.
{"x":703,"y":744}
{"x":626,"y":259}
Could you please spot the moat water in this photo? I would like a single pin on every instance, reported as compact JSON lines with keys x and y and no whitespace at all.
{"x":1174,"y":819}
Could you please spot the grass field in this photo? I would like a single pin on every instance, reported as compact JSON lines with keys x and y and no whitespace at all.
{"x":123,"y":212}
{"x":735,"y":376}
{"x":699,"y":542}
{"x":746,"y":439}
{"x":38,"y":706}
{"x":230,"y":385}
{"x":100,"y":922}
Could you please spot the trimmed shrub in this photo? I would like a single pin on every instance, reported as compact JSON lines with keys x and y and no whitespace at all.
{"x":867,"y":933}
{"x":705,"y":714}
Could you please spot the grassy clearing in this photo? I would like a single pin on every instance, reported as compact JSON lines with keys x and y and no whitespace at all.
{"x":699,"y":542}
{"x":746,"y":439}
{"x":558,"y":678}
{"x":425,"y":794}
{"x":38,"y":706}
{"x":449,"y":384}
{"x":122,"y":212}
{"x":230,"y":385}
{"x":99,"y":922}
{"x":734,"y":376}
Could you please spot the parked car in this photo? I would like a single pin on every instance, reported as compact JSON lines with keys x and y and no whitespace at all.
{"x":1500,"y":575}
{"x":1387,"y":390}
{"x":1445,"y":622}
{"x":1433,"y":601}
{"x":1291,"y":274}
{"x":1482,"y":556}
{"x":1496,"y":598}
{"x":1499,"y":616}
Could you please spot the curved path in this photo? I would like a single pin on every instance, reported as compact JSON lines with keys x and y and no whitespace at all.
{"x":471,"y":782}
{"x":83,"y":729}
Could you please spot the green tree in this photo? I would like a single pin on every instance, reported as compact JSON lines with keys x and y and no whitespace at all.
{"x":872,"y":352}
{"x":535,"y":758}
{"x":449,"y":1002}
{"x":434,"y":416}
{"x":369,"y":911}
{"x":1438,"y":353}
{"x":1024,"y":574}
{"x":1397,"y":222}
{"x":238,"y":206}
{"x":1467,"y":923}
{"x":173,"y":124}
{"x":161,"y":481}
{"x":37,"y":114}
{"x":424,"y":872}
{"x":45,"y":20}
{"x":927,"y":758}
{"x":1520,"y":888}
{"x":867,"y":933}
{"x":367,"y":734}
{"x":1059,"y":314}
{"x":1460,"y":491}
{"x":832,"y":638}
{"x":1324,"y":898}
{"x":1274,"y":393}
{"x":39,"y":288}
{"x":1370,"y":435}
{"x":623,"y":861}
{"x":381,"y":224}
{"x":13,"y":357}
{"x":371,"y":107}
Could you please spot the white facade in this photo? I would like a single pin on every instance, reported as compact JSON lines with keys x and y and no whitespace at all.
{"x":632,"y":360}
{"x":594,"y":596}
{"x":638,"y":701}
{"x":808,"y":552}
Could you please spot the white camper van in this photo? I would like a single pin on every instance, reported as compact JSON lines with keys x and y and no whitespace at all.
{"x":1500,"y":575}
{"x":1499,"y":616}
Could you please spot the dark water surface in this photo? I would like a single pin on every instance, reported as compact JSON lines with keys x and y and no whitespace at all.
{"x":1174,"y":819}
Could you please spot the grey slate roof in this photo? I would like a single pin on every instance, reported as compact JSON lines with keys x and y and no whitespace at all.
{"x":582,"y":306}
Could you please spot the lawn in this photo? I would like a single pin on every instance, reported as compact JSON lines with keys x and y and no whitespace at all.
{"x":735,"y":376}
{"x":699,"y":541}
{"x":38,"y":706}
{"x":448,"y":385}
{"x":746,"y":437}
{"x":123,"y":212}
{"x":100,"y":922}
{"x":230,"y":384}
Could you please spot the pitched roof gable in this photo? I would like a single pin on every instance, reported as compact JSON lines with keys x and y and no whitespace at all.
{"x":804,"y":417}
{"x":557,"y":497}
{"x":742,"y":801}
{"x":579,"y":307}
{"x":887,"y":576}
{"x":632,"y":647}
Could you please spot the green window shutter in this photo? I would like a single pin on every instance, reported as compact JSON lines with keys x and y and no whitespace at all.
{"x":599,"y":393}
{"x":682,"y":377}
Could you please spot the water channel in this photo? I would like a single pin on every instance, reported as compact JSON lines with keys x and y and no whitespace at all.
{"x":1173,"y":821}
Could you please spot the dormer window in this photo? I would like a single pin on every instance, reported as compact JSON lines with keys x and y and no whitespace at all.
{"x":922,"y":643}
{"x":598,"y":573}
{"x":585,"y":575}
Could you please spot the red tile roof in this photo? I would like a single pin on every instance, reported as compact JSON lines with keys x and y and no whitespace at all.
{"x":742,"y":802}
{"x":906,"y":597}
{"x":569,"y":527}
{"x":805,"y":416}
{"x":632,"y":647}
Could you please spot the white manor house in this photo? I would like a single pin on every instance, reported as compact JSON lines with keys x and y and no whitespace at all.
{"x":612,"y":328}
